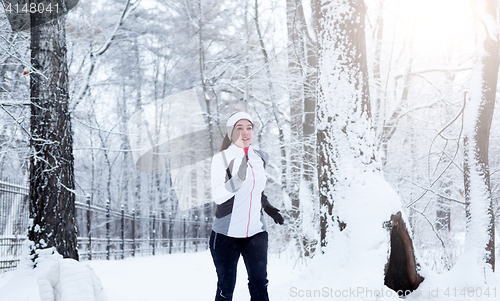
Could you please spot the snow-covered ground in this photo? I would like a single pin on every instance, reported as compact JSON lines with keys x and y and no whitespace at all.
{"x":181,"y":277}
{"x":191,"y":277}
{"x":187,"y":277}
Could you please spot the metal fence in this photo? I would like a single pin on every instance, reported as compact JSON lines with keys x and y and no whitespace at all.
{"x":108,"y":234}
{"x":14,"y":212}
{"x":102,"y":232}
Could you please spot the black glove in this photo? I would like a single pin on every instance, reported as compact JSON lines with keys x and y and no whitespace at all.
{"x":271,"y":211}
{"x":275,"y":214}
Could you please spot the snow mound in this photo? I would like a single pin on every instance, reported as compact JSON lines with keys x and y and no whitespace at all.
{"x":465,"y":281}
{"x":53,"y":279}
{"x":69,"y":280}
{"x":354,"y":259}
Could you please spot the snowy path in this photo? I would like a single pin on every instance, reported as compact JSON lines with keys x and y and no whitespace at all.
{"x":187,"y":277}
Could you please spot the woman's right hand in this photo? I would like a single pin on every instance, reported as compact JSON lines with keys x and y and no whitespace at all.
{"x":242,"y":171}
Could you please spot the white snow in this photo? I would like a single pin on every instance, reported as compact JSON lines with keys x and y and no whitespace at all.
{"x":191,"y":277}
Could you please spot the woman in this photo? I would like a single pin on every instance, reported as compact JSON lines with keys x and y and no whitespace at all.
{"x":238,"y":182}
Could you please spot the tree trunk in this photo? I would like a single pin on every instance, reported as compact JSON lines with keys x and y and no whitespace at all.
{"x":480,"y":234}
{"x":309,"y":164}
{"x":296,"y":94}
{"x":125,"y":145}
{"x":377,"y":76}
{"x":139,"y":205}
{"x":401,"y":271}
{"x":272,"y":97}
{"x":343,"y":104}
{"x":302,"y":107}
{"x":354,"y":197}
{"x":443,"y":209}
{"x":52,"y":197}
{"x":301,"y":87}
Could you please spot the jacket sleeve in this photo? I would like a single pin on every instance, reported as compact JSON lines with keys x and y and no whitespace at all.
{"x":223,"y":186}
{"x":263,"y":155}
{"x":264,"y":201}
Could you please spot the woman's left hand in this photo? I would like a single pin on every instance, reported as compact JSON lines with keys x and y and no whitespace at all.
{"x":275,"y":214}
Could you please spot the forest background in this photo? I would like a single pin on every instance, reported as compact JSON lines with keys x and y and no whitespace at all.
{"x":259,"y":56}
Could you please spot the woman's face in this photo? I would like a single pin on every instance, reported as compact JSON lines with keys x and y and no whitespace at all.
{"x":242,"y":133}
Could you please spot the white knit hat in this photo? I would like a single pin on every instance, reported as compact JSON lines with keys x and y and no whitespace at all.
{"x":234,"y":118}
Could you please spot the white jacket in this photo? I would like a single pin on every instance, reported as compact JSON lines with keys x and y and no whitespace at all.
{"x":239,"y":209}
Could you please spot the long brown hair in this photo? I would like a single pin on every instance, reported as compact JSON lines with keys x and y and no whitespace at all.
{"x":225,"y":143}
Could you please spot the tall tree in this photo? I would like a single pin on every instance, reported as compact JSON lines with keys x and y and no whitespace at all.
{"x":344,"y":134}
{"x":272,"y":97}
{"x":295,"y":24}
{"x":301,"y":87}
{"x":51,"y":195}
{"x":480,"y":234}
{"x":350,"y":182}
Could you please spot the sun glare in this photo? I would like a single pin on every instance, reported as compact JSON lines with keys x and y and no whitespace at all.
{"x":445,"y":22}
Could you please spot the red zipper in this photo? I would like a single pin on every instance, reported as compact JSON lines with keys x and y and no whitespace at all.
{"x":251,"y":193}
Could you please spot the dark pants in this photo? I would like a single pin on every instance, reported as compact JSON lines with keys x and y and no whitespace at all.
{"x":227,"y":250}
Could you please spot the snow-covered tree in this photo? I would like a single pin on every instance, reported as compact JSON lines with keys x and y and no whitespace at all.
{"x":301,"y":86}
{"x":480,"y":231}
{"x":355,"y":199}
{"x":345,"y":139}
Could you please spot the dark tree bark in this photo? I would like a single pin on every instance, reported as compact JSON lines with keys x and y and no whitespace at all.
{"x":52,"y":198}
{"x":401,"y":272}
